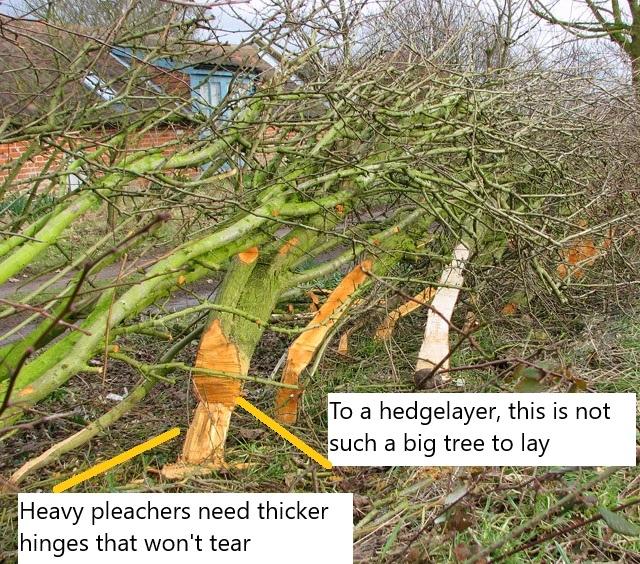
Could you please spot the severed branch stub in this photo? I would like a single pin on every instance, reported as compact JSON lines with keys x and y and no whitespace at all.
{"x":385,"y":329}
{"x":434,"y":352}
{"x":304,"y":348}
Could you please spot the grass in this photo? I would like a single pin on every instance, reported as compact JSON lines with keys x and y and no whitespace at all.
{"x":503,"y":499}
{"x":393,"y":504}
{"x":404,"y":514}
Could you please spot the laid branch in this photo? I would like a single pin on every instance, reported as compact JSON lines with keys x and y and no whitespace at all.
{"x":303,"y":349}
{"x":100,"y":425}
{"x":385,"y":329}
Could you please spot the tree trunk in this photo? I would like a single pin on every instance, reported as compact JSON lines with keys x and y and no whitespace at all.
{"x":253,"y":284}
{"x":226,"y":348}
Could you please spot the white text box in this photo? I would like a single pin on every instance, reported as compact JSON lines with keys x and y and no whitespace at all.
{"x":194,"y":528}
{"x":501,"y":429}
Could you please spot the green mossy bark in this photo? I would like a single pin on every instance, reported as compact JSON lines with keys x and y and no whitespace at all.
{"x":256,"y":288}
{"x":43,"y":334}
{"x":69,"y":356}
{"x":131,"y":167}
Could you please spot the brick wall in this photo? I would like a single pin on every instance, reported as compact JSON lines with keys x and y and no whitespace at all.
{"x":10,"y":152}
{"x":23,"y":172}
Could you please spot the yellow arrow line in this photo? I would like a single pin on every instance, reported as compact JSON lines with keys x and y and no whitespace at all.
{"x":172,"y":433}
{"x":123,"y":457}
{"x":295,"y":441}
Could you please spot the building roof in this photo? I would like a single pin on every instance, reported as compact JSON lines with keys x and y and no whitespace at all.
{"x":81,"y":75}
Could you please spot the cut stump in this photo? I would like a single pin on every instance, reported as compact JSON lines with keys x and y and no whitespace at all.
{"x":203,"y":449}
{"x":433,"y":357}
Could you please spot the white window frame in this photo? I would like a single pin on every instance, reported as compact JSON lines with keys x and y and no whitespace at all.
{"x":94,"y":83}
{"x":210,"y":93}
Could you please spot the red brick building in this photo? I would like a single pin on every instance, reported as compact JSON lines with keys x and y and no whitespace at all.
{"x":63,"y":92}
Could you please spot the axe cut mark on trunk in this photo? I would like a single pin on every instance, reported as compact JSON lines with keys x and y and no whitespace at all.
{"x":303,"y":349}
{"x":204,"y":444}
{"x":434,"y":351}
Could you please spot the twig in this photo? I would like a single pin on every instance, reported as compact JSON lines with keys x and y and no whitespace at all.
{"x":563,"y":531}
{"x":35,"y":423}
{"x":557,"y":507}
{"x":44,"y":313}
{"x":13,"y":378}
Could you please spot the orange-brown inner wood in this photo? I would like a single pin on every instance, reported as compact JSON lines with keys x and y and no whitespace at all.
{"x":385,"y":329}
{"x":581,"y":254}
{"x":303,"y":349}
{"x":207,"y":433}
{"x":249,"y":256}
{"x":217,"y":353}
{"x":288,"y":245}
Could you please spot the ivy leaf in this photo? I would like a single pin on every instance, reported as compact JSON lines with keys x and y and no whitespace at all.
{"x":529,"y":385}
{"x":529,"y":379}
{"x":618,"y":523}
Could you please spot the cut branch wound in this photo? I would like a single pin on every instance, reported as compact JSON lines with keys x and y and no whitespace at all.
{"x":303,"y":349}
{"x":207,"y":433}
{"x":385,"y":329}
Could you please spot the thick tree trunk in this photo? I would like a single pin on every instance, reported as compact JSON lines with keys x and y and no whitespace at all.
{"x":253,"y":284}
{"x":225,"y":349}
